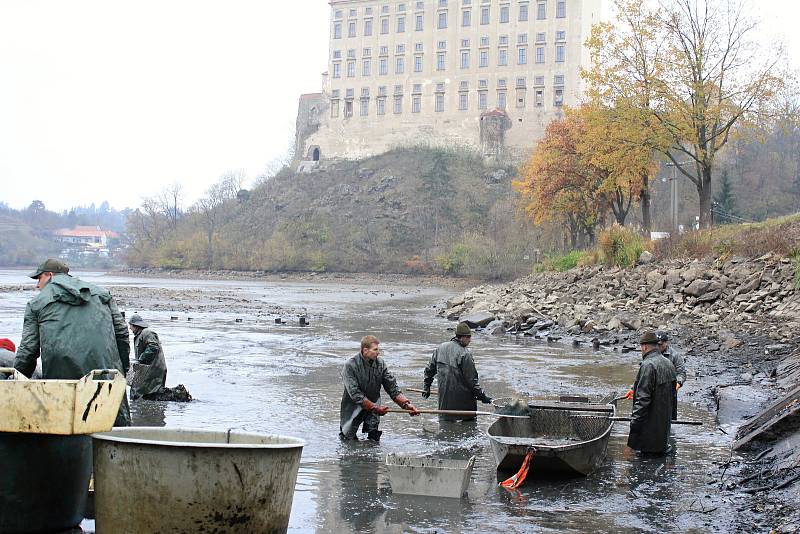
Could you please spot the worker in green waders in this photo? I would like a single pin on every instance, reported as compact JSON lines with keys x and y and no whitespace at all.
{"x":454,"y":368}
{"x":149,"y":367}
{"x":653,"y":389}
{"x":363,"y":376}
{"x":74,"y":327}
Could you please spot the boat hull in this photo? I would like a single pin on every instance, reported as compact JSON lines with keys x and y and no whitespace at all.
{"x":563,"y":442}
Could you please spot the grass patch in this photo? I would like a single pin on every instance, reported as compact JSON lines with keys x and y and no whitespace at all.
{"x":561,"y":263}
{"x":621,"y":246}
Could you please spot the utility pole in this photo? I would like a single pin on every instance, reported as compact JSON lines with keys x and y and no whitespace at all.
{"x":673,"y":194}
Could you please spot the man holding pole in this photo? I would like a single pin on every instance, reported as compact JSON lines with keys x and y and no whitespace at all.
{"x":452,"y":363}
{"x":363,"y":376}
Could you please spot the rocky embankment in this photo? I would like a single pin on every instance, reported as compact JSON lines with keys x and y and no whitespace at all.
{"x":737,"y":321}
{"x":730,"y":299}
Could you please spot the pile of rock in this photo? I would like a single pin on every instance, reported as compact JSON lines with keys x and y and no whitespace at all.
{"x":737,"y":294}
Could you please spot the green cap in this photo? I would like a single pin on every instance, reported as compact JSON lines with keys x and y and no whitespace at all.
{"x":50,"y":265}
{"x":463,"y":330}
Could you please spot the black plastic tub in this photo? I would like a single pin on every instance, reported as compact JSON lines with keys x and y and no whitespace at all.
{"x":43,"y":481}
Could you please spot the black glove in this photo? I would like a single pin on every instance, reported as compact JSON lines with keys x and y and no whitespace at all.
{"x":484,"y":398}
{"x":426,"y":393}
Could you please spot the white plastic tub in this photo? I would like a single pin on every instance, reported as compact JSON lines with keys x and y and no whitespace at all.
{"x":186,"y":481}
{"x":431,"y":477}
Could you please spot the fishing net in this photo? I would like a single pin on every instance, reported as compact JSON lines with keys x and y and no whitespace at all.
{"x":553,"y":424}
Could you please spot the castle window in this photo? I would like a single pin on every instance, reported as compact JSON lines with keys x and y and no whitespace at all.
{"x":541,"y":11}
{"x":501,"y":99}
{"x":483,"y":60}
{"x":558,"y":97}
{"x":482,"y":99}
{"x":539,"y":54}
{"x":365,"y":68}
{"x":351,"y":28}
{"x":380,"y":103}
{"x":503,"y":14}
{"x":561,"y":35}
{"x":337,"y":14}
{"x":419,"y":22}
{"x":522,"y":38}
{"x":540,"y":37}
{"x":337,"y":30}
{"x":484,"y":15}
{"x":337,"y":70}
{"x":348,"y":109}
{"x":353,"y":13}
{"x":367,"y":27}
{"x":398,"y":104}
{"x":417,"y":63}
{"x":399,"y":65}
{"x":502,"y":41}
{"x":401,"y":24}
{"x":418,"y":47}
{"x":441,"y":45}
{"x":384,"y":26}
{"x":502,"y":57}
{"x":558,"y":79}
{"x":523,"y":12}
{"x":367,"y":52}
{"x":383,"y":66}
{"x":522,"y":55}
{"x":416,"y":103}
{"x":465,"y":59}
{"x":351,"y":69}
{"x":440,"y":61}
{"x":466,"y":18}
{"x":521,"y":82}
{"x":442,"y":20}
{"x":463,"y":101}
{"x":538,"y":97}
{"x":485,"y":40}
{"x":561,"y":9}
{"x":560,"y":53}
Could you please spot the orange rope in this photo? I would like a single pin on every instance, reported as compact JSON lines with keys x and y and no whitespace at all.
{"x":517,"y":480}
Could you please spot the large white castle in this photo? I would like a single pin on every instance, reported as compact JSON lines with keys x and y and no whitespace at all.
{"x":484,"y":74}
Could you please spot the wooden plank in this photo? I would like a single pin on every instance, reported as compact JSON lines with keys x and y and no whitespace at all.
{"x":786,"y":406}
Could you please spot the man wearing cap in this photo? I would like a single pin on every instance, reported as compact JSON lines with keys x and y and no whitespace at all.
{"x":150,"y":367}
{"x":677,"y":361}
{"x":363,"y":376}
{"x":651,"y":415}
{"x":452,"y":364}
{"x":75,"y":327}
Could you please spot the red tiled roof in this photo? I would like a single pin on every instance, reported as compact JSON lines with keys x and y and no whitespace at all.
{"x":85,"y":231}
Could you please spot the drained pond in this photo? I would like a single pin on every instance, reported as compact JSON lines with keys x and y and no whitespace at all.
{"x":247,"y":372}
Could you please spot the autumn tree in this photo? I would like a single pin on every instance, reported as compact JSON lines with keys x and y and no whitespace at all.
{"x":623,"y":78}
{"x":715,"y":76}
{"x":558,"y":185}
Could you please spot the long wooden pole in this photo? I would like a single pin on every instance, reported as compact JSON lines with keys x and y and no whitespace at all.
{"x":459,"y":413}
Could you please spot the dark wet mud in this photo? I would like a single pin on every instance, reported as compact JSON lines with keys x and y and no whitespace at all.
{"x":245,"y":371}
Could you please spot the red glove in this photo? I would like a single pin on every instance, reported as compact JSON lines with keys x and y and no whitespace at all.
{"x":405,"y":404}
{"x":629,"y":395}
{"x":370,"y":406}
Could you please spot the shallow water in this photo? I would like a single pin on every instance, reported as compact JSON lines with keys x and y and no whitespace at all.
{"x":258,"y":376}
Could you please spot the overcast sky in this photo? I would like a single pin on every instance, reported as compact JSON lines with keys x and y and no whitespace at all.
{"x":111,"y":100}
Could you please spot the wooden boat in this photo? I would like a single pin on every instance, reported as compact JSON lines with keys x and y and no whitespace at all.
{"x":566,"y":439}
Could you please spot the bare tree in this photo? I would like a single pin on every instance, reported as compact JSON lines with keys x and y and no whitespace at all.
{"x":715,"y":75}
{"x":169,"y":202}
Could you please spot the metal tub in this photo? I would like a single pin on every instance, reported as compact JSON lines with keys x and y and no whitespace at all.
{"x":432,"y":477}
{"x":185,"y":481}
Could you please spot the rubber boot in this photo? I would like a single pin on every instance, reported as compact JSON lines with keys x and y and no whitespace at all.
{"x":374,"y":435}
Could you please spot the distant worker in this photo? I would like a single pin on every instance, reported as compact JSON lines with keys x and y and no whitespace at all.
{"x":363,"y":376}
{"x":452,"y":364}
{"x":75,"y":327}
{"x":150,"y":367}
{"x":651,"y":415}
{"x":680,"y":367}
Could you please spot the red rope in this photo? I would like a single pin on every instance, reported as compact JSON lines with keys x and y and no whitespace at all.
{"x":517,"y":480}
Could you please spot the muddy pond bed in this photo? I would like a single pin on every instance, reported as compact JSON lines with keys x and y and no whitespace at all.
{"x":246,"y":372}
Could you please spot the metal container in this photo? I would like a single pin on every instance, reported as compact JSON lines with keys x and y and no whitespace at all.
{"x":185,"y":480}
{"x":432,"y":477}
{"x":43,"y":481}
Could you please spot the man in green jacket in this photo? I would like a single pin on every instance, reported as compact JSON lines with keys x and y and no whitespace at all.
{"x":454,"y":368}
{"x":150,"y":367}
{"x":75,"y":327}
{"x":651,"y":414}
{"x":363,"y":377}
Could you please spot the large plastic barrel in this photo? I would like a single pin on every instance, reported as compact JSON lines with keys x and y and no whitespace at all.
{"x":44,"y":480}
{"x":187,"y":481}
